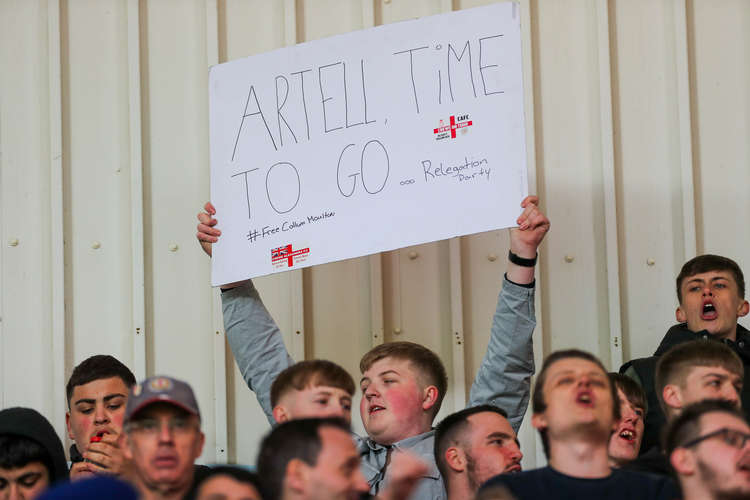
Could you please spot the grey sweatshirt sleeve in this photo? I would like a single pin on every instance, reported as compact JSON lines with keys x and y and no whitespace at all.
{"x":504,"y":378}
{"x":256,"y":342}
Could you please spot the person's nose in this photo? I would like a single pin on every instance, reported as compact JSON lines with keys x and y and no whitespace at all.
{"x":165,"y":432}
{"x":100,"y":414}
{"x":371,"y":392}
{"x":729,"y":393}
{"x":13,"y":492}
{"x":516,"y":454}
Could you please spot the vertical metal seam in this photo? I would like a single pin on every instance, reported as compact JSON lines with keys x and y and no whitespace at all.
{"x":217,"y":322}
{"x":57,"y":250}
{"x":684,"y":119}
{"x":458,"y":354}
{"x":377,"y":327}
{"x":457,"y":324}
{"x":530,"y":125}
{"x":136,"y":190}
{"x":296,"y":278}
{"x":606,"y":128}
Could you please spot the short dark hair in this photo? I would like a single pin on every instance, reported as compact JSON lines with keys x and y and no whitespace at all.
{"x":295,"y":439}
{"x":98,"y":367}
{"x":18,"y":451}
{"x":674,"y":365}
{"x":451,"y":429}
{"x":311,"y":373}
{"x":633,"y":392}
{"x":706,"y":263}
{"x":424,"y":360}
{"x":687,"y":425}
{"x":237,"y":473}
{"x":538,"y":403}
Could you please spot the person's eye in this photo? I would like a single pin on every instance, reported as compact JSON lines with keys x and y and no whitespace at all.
{"x":321,"y":401}
{"x":389,"y":381}
{"x":86,"y":410}
{"x":29,"y":481}
{"x":565,"y":380}
{"x":347,"y":406}
{"x":694,"y":288}
{"x":639,"y":413}
{"x":721,"y":285}
{"x":598,"y":383}
{"x":714,"y":383}
{"x":3,"y":484}
{"x":115,"y":406}
{"x":180,"y":424}
{"x":498,"y":442}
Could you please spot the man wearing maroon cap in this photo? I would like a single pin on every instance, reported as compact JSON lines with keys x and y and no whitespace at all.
{"x":163,"y":437}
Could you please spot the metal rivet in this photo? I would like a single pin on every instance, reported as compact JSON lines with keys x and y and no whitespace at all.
{"x":650,"y":262}
{"x":13,"y":242}
{"x":569,"y":258}
{"x":173,"y":247}
{"x":397,"y":331}
{"x":96,"y":245}
{"x":386,"y":1}
{"x":217,"y":332}
{"x":413,"y":255}
{"x":492,"y":257}
{"x":298,"y":332}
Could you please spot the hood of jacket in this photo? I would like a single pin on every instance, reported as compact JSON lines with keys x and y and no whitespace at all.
{"x":31,"y":424}
{"x":680,"y":333}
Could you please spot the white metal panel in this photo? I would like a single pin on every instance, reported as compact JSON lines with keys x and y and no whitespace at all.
{"x":569,"y":172}
{"x":389,"y":11}
{"x":250,"y":27}
{"x":96,"y":140}
{"x":721,"y":72}
{"x":648,"y":153}
{"x":175,"y":123}
{"x":25,"y":167}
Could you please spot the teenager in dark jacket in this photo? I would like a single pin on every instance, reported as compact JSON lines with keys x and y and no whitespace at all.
{"x":711,"y":296}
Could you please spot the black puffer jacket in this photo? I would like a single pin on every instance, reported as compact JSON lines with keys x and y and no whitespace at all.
{"x":645,"y":370}
{"x":31,"y":424}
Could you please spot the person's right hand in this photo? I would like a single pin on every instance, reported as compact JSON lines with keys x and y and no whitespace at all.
{"x":81,"y":470}
{"x":207,"y":233}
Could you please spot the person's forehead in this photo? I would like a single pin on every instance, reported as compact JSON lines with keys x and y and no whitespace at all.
{"x":389,"y":363}
{"x":487,"y":422}
{"x":716,"y":420}
{"x":31,"y":467}
{"x":695,"y":373}
{"x":97,"y":389}
{"x":161,"y":409}
{"x":223,"y":483}
{"x":576,"y":365}
{"x":321,"y":389}
{"x":707,"y":277}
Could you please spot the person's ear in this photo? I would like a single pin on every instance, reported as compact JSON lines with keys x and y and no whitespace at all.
{"x":680,"y":315}
{"x":201,"y":442}
{"x":743,"y":309}
{"x":70,"y":429}
{"x":429,"y":397}
{"x":125,"y":446}
{"x":455,"y":458}
{"x":539,"y":421}
{"x":672,"y":396}
{"x":683,"y":461}
{"x":296,"y":477}
{"x":280,"y":414}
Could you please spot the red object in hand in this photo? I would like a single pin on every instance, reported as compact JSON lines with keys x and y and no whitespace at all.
{"x":97,"y":438}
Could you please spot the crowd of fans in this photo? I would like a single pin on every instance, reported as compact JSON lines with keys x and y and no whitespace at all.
{"x":669,"y":426}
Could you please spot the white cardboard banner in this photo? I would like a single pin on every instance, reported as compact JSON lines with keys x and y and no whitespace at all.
{"x":365,"y":142}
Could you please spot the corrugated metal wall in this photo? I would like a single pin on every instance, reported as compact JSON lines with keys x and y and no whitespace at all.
{"x":638,"y":122}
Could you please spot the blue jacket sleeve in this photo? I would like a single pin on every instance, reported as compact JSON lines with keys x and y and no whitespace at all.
{"x":256,"y":342}
{"x":504,"y":378}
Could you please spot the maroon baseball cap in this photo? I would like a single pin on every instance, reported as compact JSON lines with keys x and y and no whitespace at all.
{"x":161,"y":389}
